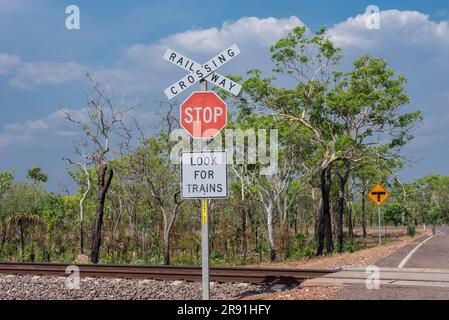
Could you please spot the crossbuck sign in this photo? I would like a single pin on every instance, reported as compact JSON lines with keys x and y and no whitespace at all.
{"x":199,"y":72}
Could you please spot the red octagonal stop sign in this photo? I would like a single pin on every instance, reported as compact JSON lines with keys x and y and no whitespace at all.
{"x":203,"y":114}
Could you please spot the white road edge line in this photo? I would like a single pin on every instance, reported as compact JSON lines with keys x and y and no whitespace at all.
{"x":403,"y":262}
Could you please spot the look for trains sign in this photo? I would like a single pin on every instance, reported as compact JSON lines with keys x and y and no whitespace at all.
{"x":204,"y":175}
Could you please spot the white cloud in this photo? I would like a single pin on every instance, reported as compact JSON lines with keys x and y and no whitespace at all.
{"x":414,"y":45}
{"x":139,"y":69}
{"x":410,"y":34}
{"x":31,"y":75}
{"x":8,"y":62}
{"x":49,"y":130}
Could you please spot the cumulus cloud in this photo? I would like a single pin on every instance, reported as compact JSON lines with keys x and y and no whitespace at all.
{"x":414,"y":45}
{"x":53,"y":129}
{"x":8,"y":62}
{"x":46,"y":73}
{"x":139,"y":68}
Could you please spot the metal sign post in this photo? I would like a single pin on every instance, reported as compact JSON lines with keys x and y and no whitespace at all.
{"x":205,"y":235}
{"x":205,"y":250}
{"x":380,"y":230}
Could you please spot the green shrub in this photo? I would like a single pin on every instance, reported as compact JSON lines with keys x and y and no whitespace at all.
{"x":411,"y":230}
{"x":302,"y":246}
{"x":351,"y":245}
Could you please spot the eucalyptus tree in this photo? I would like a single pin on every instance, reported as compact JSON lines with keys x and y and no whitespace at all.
{"x":6,"y":183}
{"x":345,"y":113}
{"x":151,"y":166}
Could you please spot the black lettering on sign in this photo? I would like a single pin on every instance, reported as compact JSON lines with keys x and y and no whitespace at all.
{"x":222,"y":83}
{"x":200,"y":74}
{"x":231,"y":53}
{"x":207,"y":68}
{"x":222,"y":59}
{"x":214,"y":77}
{"x":231,"y":85}
{"x":182,"y":85}
{"x":172,"y":57}
{"x":180,"y":61}
{"x":172,"y":89}
{"x":191,"y":79}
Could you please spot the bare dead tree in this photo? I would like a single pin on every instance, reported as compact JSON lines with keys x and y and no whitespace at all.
{"x":104,"y":119}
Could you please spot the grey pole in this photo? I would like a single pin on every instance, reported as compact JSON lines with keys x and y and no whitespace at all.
{"x":380,"y":235}
{"x":205,"y":249}
{"x":205,"y":234}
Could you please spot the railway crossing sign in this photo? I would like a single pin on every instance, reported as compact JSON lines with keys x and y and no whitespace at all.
{"x":204,"y":175}
{"x":378,"y":195}
{"x":199,"y":72}
{"x":203,"y":114}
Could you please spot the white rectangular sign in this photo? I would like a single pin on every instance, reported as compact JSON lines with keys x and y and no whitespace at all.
{"x":198,"y":72}
{"x":204,"y":175}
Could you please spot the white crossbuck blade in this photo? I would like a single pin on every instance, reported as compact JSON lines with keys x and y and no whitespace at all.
{"x":205,"y":71}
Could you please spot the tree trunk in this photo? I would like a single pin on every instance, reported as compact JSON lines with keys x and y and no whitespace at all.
{"x":82,"y":236}
{"x":244,"y":233}
{"x":271,"y":230}
{"x":166,"y":248}
{"x":341,"y":203}
{"x":363,"y":213}
{"x":325,"y":224}
{"x":103,"y":187}
{"x":316,"y":215}
{"x":22,"y":238}
{"x":343,"y":179}
{"x":350,"y":222}
{"x":4,"y":229}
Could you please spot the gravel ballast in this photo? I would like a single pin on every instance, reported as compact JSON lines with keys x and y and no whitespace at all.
{"x":28,"y":287}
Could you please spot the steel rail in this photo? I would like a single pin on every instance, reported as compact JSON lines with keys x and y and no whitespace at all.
{"x":171,"y":273}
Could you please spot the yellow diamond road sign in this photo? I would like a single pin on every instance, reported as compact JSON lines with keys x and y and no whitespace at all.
{"x":379,"y":194}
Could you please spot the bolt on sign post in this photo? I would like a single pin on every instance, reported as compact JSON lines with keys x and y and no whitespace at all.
{"x":378,"y":195}
{"x":203,"y":115}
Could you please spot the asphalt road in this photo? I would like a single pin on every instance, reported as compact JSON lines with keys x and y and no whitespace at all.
{"x":433,"y":254}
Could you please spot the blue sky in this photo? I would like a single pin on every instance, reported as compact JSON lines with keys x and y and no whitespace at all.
{"x":121,"y":44}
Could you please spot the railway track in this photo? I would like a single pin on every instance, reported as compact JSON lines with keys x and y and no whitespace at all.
{"x":217,"y":274}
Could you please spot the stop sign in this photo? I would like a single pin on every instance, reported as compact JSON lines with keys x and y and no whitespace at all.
{"x":203,"y":114}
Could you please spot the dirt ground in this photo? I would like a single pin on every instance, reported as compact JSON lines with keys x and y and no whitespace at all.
{"x":397,"y":238}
